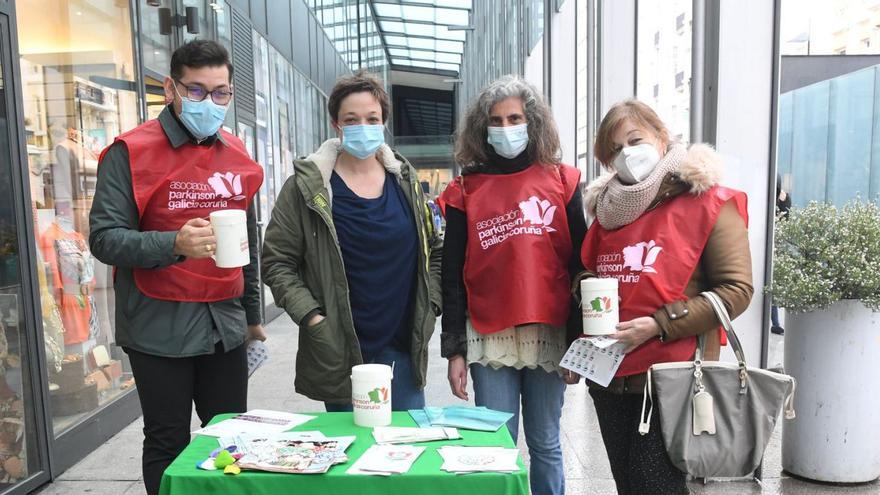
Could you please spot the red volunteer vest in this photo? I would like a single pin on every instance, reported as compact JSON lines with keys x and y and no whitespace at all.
{"x":653,"y":260}
{"x":172,"y":186}
{"x":518,"y":246}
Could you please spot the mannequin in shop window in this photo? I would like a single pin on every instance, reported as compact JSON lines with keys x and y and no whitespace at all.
{"x":65,"y":165}
{"x":67,"y":190}
{"x":71,"y":270}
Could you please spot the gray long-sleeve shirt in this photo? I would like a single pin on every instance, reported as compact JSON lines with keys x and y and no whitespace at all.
{"x":144,"y":324}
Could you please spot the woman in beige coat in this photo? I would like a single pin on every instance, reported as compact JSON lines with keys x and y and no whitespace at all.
{"x":667,"y":231}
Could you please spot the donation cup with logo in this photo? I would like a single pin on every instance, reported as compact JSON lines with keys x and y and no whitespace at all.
{"x":599,"y":305}
{"x":230,"y":229}
{"x":371,"y":394}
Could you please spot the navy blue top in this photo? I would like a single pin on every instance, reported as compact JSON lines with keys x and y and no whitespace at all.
{"x":379,"y":246}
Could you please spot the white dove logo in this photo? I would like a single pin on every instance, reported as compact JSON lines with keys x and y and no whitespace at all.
{"x":226,"y":185}
{"x":641,"y":257}
{"x":538,"y":212}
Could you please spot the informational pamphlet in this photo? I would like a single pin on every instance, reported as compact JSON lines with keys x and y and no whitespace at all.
{"x":253,"y":422}
{"x":401,"y":434}
{"x":595,"y":358}
{"x":479,"y":459}
{"x":462,"y":417}
{"x":385,"y":460}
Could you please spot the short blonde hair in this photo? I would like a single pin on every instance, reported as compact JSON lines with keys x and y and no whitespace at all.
{"x":632,"y":110}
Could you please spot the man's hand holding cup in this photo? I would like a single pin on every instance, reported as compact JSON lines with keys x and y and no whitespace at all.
{"x":195,"y":239}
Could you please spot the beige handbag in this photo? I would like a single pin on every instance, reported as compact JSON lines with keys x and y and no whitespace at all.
{"x":716,"y":417}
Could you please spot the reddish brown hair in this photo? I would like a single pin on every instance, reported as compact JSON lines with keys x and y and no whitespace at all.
{"x":635,"y":111}
{"x":359,"y":82}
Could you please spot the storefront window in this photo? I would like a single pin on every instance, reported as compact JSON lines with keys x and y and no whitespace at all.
{"x":155,"y":46}
{"x":304,"y":111}
{"x":223,"y":22}
{"x":204,"y":10}
{"x":282,"y":92}
{"x":78,"y":94}
{"x":156,"y":57}
{"x":263,"y":135}
{"x":19,"y":456}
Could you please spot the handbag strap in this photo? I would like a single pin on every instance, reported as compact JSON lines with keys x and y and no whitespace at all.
{"x":645,"y":423}
{"x":724,"y":318}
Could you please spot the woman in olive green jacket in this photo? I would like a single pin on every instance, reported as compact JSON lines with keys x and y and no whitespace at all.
{"x":351,"y":246}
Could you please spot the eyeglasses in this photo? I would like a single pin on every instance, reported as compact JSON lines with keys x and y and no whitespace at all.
{"x":220,"y":96}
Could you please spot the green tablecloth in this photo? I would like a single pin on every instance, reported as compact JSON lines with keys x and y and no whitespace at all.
{"x":425,"y":477}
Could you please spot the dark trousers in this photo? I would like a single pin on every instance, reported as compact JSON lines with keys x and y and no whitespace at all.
{"x":639,"y":463}
{"x":774,"y":316}
{"x":167,"y":388}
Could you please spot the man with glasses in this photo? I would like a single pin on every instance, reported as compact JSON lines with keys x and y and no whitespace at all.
{"x":182,"y":320}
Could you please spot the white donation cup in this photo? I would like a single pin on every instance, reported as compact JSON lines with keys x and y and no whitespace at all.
{"x":599,"y":305}
{"x":371,"y":394}
{"x":230,"y":229}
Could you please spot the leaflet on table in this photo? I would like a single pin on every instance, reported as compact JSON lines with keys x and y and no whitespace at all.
{"x":256,"y":421}
{"x":479,"y":459}
{"x":420,"y":416}
{"x":400,"y":434}
{"x":595,"y":358}
{"x":385,"y":460}
{"x":304,"y":436}
{"x":469,"y":418}
{"x":291,"y":452}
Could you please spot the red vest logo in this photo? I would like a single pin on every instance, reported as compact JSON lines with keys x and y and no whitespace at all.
{"x":641,"y":257}
{"x":538,"y":212}
{"x":533,"y":218}
{"x":227,"y":185}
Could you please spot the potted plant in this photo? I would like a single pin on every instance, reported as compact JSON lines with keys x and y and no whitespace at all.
{"x":826,"y":274}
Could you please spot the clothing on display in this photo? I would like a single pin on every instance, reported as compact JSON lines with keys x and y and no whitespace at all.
{"x":72,"y":273}
{"x":12,"y":431}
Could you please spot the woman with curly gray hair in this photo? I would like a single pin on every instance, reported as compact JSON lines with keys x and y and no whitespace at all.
{"x":514,"y":224}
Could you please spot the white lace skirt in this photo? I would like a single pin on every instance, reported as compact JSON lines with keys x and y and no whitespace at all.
{"x":525,"y":346}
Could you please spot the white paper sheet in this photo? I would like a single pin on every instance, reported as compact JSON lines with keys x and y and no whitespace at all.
{"x":255,"y":422}
{"x":402,"y":434}
{"x":595,"y":358}
{"x":386,"y":459}
{"x":479,"y":459}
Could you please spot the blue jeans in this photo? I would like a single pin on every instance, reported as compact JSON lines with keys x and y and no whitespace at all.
{"x":542,"y":395}
{"x":774,"y":316}
{"x":405,"y":395}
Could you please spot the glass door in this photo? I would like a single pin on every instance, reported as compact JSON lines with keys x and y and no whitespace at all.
{"x":23,"y":445}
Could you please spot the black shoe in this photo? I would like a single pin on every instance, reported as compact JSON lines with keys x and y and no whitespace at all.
{"x":777,"y":330}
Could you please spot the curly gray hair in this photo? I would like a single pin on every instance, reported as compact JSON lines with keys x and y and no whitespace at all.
{"x":471,"y":147}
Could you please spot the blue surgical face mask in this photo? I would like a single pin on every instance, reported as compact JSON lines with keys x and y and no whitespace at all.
{"x":362,"y":141}
{"x":509,"y":141}
{"x":202,"y":118}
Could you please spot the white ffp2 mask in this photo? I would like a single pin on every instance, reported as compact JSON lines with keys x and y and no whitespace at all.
{"x":635,"y":163}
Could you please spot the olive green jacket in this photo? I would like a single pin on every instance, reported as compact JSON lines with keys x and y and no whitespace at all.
{"x":302,"y":265}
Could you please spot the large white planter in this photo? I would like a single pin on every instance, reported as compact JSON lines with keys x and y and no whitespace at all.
{"x":835,"y":356}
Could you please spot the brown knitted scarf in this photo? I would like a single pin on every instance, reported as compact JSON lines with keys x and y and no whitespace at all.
{"x":620,"y":204}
